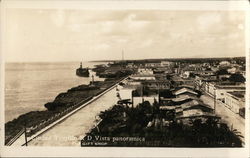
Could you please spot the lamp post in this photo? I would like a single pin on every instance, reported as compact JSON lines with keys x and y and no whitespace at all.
{"x":93,"y":79}
{"x":214,"y":99}
{"x":142,"y":99}
{"x":25,"y":133}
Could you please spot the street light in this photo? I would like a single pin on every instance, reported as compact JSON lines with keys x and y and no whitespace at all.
{"x":25,"y":133}
{"x":214,"y":99}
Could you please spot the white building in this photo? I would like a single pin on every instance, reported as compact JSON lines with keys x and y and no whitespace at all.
{"x":142,"y":77}
{"x":166,"y":63}
{"x":154,"y":65}
{"x":220,"y":90}
{"x":145,"y":71}
{"x":235,"y":100}
{"x":224,"y":63}
{"x":126,"y":92}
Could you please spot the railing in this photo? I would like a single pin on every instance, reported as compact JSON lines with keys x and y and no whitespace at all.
{"x":15,"y":137}
{"x":34,"y":129}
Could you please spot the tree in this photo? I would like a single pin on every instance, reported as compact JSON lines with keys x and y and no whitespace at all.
{"x":222,"y":72}
{"x":237,"y":78}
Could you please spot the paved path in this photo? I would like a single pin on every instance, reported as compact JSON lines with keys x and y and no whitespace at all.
{"x":233,"y":120}
{"x":73,"y":129}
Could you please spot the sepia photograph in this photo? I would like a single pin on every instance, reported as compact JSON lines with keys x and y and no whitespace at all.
{"x":131,"y":77}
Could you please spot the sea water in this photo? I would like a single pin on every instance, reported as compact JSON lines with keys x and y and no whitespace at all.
{"x":28,"y":86}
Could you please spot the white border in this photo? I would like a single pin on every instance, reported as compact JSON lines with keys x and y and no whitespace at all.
{"x":115,"y":151}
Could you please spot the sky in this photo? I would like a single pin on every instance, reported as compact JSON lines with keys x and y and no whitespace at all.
{"x":34,"y":35}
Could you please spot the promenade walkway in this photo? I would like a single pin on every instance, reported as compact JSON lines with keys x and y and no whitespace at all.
{"x":73,"y":129}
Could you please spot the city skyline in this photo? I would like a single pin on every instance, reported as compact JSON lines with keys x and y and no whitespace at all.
{"x":50,"y":35}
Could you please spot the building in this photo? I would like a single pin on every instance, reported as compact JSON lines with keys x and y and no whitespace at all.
{"x":166,"y":63}
{"x":200,"y":81}
{"x":193,"y":110}
{"x":224,"y":63}
{"x":185,"y":91}
{"x":162,"y":70}
{"x":145,"y":71}
{"x":188,"y":116}
{"x":139,"y":96}
{"x":183,"y":99}
{"x":157,"y":84}
{"x":220,"y":90}
{"x":126,"y":91}
{"x":180,"y":81}
{"x":235,"y":100}
{"x":142,"y":77}
{"x":152,"y":65}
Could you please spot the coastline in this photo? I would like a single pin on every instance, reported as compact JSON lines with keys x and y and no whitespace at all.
{"x":63,"y":103}
{"x":29,"y":86}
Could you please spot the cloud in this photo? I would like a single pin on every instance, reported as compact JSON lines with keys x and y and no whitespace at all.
{"x":208,"y":20}
{"x":102,"y":46}
{"x":102,"y":34}
{"x":58,"y":17}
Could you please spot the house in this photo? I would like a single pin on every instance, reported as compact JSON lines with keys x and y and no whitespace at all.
{"x":186,"y":74}
{"x":131,"y":65}
{"x":142,"y":77}
{"x":233,"y":70}
{"x":125,"y":94}
{"x":183,"y":91}
{"x":139,"y":96}
{"x":189,"y":116}
{"x":200,"y":81}
{"x":145,"y":71}
{"x":126,"y":91}
{"x":205,"y":73}
{"x":235,"y":100}
{"x":219,"y":90}
{"x":193,"y":110}
{"x":152,"y":65}
{"x":183,"y":99}
{"x":180,"y":81}
{"x":196,"y":104}
{"x":162,"y":70}
{"x":224,"y":63}
{"x":133,"y":82}
{"x":157,"y":84}
{"x":166,"y":63}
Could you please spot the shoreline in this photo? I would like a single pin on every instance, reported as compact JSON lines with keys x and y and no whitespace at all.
{"x":52,"y":115}
{"x":63,"y":104}
{"x":83,"y":105}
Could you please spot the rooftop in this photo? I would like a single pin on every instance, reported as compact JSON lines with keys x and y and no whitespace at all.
{"x":143,"y":75}
{"x":193,"y":103}
{"x":183,"y":97}
{"x":238,"y":94}
{"x":184,"y":90}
